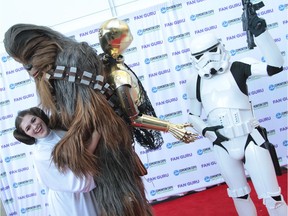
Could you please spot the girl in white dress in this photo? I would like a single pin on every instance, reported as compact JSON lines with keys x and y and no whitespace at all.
{"x":67,"y":194}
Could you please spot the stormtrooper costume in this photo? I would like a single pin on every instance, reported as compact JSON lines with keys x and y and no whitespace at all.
{"x":220,"y":89}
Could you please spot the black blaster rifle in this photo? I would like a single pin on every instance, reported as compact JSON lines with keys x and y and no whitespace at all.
{"x":249,"y":10}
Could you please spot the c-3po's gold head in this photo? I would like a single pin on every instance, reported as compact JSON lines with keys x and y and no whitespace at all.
{"x":114,"y":37}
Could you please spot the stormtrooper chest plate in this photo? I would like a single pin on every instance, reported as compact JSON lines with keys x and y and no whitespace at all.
{"x":221,"y":91}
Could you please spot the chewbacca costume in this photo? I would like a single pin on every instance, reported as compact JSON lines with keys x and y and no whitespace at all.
{"x":81,"y":109}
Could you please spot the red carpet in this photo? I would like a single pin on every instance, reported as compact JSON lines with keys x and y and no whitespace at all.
{"x":211,"y":202}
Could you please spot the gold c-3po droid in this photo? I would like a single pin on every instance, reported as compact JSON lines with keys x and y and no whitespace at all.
{"x":115,"y":37}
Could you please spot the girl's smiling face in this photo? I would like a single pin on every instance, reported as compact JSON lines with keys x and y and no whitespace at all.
{"x":34,"y":126}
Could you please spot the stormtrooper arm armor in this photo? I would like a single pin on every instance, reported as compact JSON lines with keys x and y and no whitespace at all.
{"x":150,"y":122}
{"x":271,"y":53}
{"x":267,"y":46}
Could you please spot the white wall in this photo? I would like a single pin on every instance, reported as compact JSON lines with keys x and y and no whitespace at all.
{"x":66,"y":15}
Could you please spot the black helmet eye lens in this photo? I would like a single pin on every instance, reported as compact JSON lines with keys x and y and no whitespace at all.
{"x":214,"y":49}
{"x":28,"y":67}
{"x":198,"y":56}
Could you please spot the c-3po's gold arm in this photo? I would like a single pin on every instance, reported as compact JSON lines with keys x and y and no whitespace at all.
{"x":150,"y":122}
{"x":177,"y":130}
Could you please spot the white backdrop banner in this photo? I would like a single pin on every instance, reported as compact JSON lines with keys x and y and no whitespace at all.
{"x":160,"y":56}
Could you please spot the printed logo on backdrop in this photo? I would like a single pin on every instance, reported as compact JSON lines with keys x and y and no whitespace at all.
{"x":163,"y":87}
{"x":17,"y":70}
{"x":19,"y":84}
{"x":161,"y":191}
{"x":183,"y":51}
{"x":181,"y":157}
{"x":10,"y":144}
{"x":182,"y":82}
{"x":167,"y":101}
{"x":156,"y":58}
{"x":185,"y":170}
{"x":280,"y":100}
{"x":206,"y":29}
{"x":89,"y":32}
{"x":181,"y":36}
{"x":145,"y":15}
{"x":241,"y":50}
{"x":283,"y":7}
{"x":271,"y":132}
{"x":209,"y":164}
{"x":171,"y":8}
{"x":267,"y":11}
{"x":153,"y":44}
{"x":171,"y":115}
{"x":2,"y":89}
{"x":261,"y":105}
{"x":130,"y":51}
{"x":155,"y":163}
{"x":187,"y":184}
{"x":135,"y":64}
{"x":273,"y":87}
{"x":177,"y":143}
{"x":25,"y":97}
{"x":23,"y":183}
{"x":232,"y":37}
{"x":231,"y":22}
{"x":176,"y":22}
{"x":204,"y":14}
{"x":4,"y":103}
{"x":27,"y":196}
{"x":30,"y":209}
{"x":3,"y":118}
{"x":213,"y":177}
{"x":272,"y":25}
{"x":15,"y":157}
{"x":285,"y":143}
{"x":6,"y":58}
{"x":159,"y":73}
{"x":255,"y":92}
{"x":141,"y":32}
{"x":204,"y":151}
{"x":229,"y":7}
{"x":194,"y":2}
{"x":265,"y":119}
{"x":158,"y":177}
{"x":185,"y":66}
{"x":281,"y":115}
{"x":20,"y":170}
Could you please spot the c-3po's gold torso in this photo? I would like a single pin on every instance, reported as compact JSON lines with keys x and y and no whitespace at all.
{"x":119,"y":75}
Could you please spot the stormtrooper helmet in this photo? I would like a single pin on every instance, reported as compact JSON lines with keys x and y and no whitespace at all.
{"x":208,"y":55}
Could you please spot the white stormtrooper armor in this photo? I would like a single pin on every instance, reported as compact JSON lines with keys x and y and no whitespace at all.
{"x":220,"y":89}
